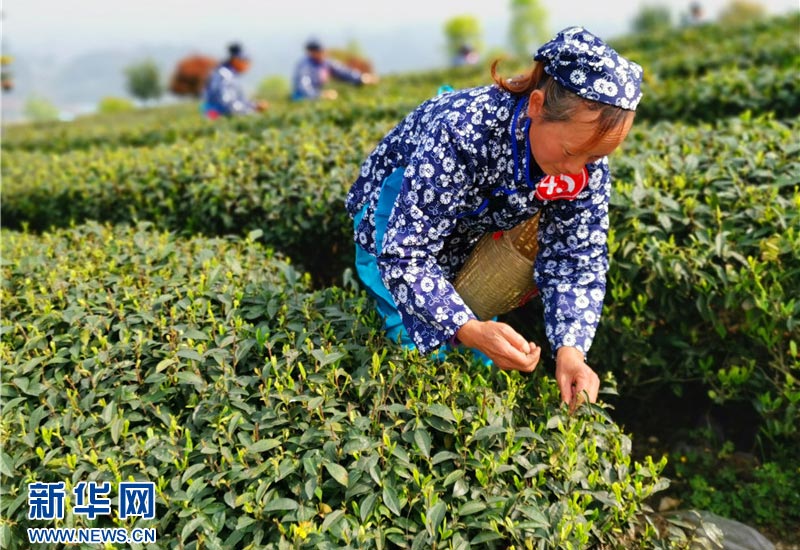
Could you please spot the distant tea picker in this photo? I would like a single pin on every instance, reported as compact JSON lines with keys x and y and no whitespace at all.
{"x":316,"y":69}
{"x":224,"y":94}
{"x":470,"y":163}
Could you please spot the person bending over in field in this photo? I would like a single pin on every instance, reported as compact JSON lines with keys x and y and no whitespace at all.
{"x":224,"y":94}
{"x":479,"y":160}
{"x":314,"y":71}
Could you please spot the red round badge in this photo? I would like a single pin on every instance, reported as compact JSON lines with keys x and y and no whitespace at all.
{"x":562,"y":186}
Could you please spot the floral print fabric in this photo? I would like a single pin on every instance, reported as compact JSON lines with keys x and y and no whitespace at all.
{"x":224,"y":93}
{"x":469,"y":171}
{"x":310,"y":76}
{"x":587,"y":66}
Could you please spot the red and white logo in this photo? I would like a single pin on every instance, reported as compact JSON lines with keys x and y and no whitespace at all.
{"x":562,"y":186}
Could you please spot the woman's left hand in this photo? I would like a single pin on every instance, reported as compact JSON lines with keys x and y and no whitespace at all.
{"x":574,"y":377}
{"x":500,"y":343}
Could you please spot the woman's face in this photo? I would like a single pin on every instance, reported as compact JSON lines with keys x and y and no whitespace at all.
{"x":240,"y":64}
{"x":560,"y":147}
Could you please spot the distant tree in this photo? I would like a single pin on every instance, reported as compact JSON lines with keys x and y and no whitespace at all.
{"x":738,"y":12}
{"x":353,"y":56}
{"x":652,"y":18}
{"x":144,"y":82}
{"x":6,"y":78}
{"x":40,"y":109}
{"x":528,"y":29}
{"x":353,"y":47}
{"x":272,"y":88}
{"x":111,"y":105}
{"x":461,"y":31}
{"x":190,"y":75}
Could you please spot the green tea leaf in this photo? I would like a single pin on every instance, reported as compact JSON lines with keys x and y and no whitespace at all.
{"x":435,"y":516}
{"x":338,"y":473}
{"x":326,"y":358}
{"x":423,"y":440}
{"x":263,"y":445}
{"x":471,"y":507}
{"x":452,"y":477}
{"x":441,"y":411}
{"x":331,"y":519}
{"x":280,"y":505}
{"x":390,"y":499}
{"x":191,"y":526}
{"x":489,"y":431}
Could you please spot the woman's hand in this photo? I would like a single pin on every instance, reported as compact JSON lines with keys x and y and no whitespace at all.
{"x":330,"y":94}
{"x":574,"y":377}
{"x":369,"y":78}
{"x":501,"y":343}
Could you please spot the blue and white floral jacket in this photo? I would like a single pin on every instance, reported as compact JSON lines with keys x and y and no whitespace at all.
{"x":469,"y":171}
{"x":224,"y":93}
{"x":310,"y":76}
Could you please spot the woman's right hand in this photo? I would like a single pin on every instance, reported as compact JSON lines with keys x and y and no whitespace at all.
{"x":330,"y":93}
{"x":501,"y":343}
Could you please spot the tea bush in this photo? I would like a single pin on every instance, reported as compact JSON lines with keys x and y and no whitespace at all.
{"x":723,"y":93}
{"x":706,"y":265}
{"x":289,"y":184}
{"x":725,"y":481}
{"x":179,"y":123}
{"x":272,"y":416}
{"x":697,"y":50}
{"x":764,"y":51}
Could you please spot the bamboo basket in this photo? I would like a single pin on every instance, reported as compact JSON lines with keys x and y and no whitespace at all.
{"x":498,"y":274}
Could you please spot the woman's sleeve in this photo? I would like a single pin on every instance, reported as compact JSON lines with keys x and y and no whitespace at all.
{"x":370,"y":175}
{"x":343,"y":72}
{"x":424,"y":214}
{"x":304,"y":81}
{"x":571,"y":266}
{"x":234,"y":99}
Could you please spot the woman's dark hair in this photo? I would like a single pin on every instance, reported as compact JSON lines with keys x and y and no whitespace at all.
{"x":560,"y":104}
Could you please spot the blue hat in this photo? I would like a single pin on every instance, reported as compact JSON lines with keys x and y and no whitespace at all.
{"x":235,"y":50}
{"x":314,"y":45}
{"x":587,"y":66}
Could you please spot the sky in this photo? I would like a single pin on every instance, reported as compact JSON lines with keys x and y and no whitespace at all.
{"x":69,"y":27}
